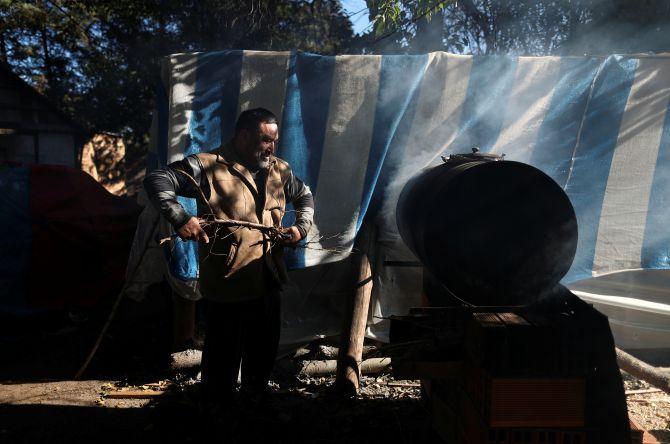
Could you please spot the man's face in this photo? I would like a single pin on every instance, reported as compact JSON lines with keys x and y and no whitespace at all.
{"x":262,"y":145}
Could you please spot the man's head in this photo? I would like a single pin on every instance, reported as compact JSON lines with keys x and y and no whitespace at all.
{"x":256,"y":134}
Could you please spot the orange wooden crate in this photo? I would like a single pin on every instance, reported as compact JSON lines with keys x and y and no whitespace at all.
{"x":474,"y":430}
{"x":528,"y":402}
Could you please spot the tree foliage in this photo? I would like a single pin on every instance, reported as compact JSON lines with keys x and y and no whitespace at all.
{"x":99,"y":60}
{"x":527,"y":27}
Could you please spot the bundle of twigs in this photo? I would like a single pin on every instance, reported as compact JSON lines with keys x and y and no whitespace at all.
{"x":273,"y":233}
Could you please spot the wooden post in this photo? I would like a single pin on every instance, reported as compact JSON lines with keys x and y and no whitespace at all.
{"x":355,"y":319}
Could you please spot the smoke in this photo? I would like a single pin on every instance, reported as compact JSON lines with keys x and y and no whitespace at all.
{"x":512,"y":27}
{"x":560,"y":115}
{"x":427,"y":129}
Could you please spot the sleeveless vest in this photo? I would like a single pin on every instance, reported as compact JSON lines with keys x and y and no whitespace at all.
{"x":232,"y":264}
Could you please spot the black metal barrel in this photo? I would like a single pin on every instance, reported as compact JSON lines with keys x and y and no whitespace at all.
{"x":493,"y":232}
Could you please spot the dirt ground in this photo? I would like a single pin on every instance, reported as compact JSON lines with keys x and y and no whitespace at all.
{"x":40,"y":403}
{"x":78,"y":411}
{"x":650,"y":410}
{"x":302,"y":410}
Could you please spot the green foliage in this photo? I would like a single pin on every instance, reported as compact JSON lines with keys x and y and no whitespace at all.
{"x":99,"y":60}
{"x":526,"y":27}
{"x":390,"y":15}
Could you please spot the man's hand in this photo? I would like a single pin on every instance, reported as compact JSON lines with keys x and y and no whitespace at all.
{"x":192,"y":230}
{"x":294,"y":234}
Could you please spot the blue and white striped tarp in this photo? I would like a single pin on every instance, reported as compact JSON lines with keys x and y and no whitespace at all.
{"x":355,"y":128}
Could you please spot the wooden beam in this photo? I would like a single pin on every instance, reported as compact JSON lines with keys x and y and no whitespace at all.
{"x":328,"y":367}
{"x":134,"y":394}
{"x":643,"y":391}
{"x":654,"y":376}
{"x":355,"y":320}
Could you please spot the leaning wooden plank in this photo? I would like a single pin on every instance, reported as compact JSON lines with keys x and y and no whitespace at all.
{"x":640,"y":435}
{"x":355,"y":321}
{"x":648,"y":438}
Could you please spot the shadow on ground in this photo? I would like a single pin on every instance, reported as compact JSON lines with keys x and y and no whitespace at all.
{"x":277,"y":419}
{"x":40,"y":403}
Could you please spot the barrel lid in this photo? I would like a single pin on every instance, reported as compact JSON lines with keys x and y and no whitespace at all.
{"x":475,"y":155}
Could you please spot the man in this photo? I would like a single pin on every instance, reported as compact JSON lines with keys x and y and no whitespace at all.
{"x":241,"y":269}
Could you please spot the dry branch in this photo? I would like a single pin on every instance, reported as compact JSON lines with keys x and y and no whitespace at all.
{"x":274,"y":232}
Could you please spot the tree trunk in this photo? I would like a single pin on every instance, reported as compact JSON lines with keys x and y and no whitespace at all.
{"x":48,"y":64}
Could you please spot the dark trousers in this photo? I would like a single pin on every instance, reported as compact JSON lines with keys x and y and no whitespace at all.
{"x":246,"y":332}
